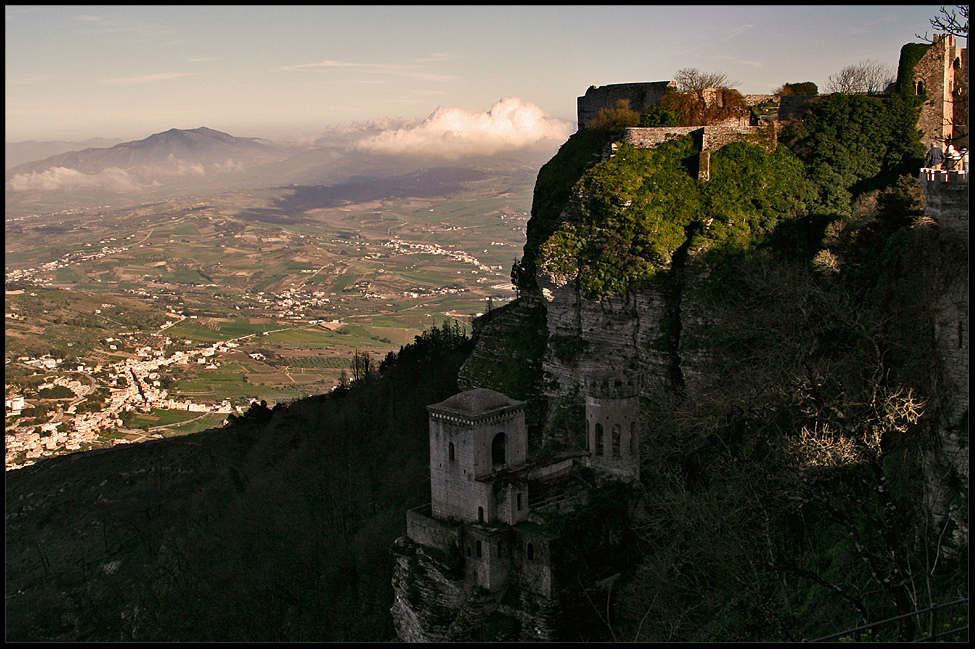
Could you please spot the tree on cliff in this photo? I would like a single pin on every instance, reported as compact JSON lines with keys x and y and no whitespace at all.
{"x":783,"y":496}
{"x":862,"y":77}
{"x":703,"y":98}
{"x":693,"y":80}
{"x":614,"y":120}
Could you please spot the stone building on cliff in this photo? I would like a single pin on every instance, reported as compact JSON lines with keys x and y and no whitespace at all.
{"x":942,"y":76}
{"x":481,"y":545}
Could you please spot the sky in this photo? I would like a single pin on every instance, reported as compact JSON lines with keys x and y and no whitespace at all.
{"x":78,"y":72}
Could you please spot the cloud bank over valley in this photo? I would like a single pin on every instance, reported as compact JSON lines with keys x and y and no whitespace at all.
{"x":510,"y":125}
{"x":448,"y":133}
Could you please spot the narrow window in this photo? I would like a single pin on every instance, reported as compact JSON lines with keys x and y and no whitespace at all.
{"x":480,"y":515}
{"x":478,"y":546}
{"x":450,"y":451}
{"x":530,"y":551}
{"x":519,"y":502}
{"x":468,"y":551}
{"x":599,"y":439}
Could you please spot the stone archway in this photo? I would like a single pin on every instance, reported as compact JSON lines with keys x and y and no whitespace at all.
{"x":499,"y":450}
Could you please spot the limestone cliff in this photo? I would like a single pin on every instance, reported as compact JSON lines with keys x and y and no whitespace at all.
{"x":820,"y":356}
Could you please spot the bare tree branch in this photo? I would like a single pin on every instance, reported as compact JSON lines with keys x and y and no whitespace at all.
{"x":949,"y":22}
{"x":863,"y":77}
{"x":692,"y":79}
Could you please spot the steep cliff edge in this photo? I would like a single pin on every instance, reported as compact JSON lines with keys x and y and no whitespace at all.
{"x":800,"y":327}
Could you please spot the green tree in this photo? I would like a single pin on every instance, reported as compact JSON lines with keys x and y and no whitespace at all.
{"x":852,"y":144}
{"x":614,"y":120}
{"x":804,"y":89}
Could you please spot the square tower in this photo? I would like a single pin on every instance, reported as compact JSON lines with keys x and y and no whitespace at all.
{"x":473,"y":436}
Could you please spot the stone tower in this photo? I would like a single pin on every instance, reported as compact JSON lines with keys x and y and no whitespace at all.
{"x":473,"y":435}
{"x":613,"y":424}
{"x":942,"y":74}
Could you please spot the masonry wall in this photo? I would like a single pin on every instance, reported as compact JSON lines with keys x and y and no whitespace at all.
{"x":423,"y":529}
{"x":455,"y":490}
{"x":640,"y":96}
{"x":705,"y":137}
{"x":946,"y":201}
{"x":943,"y":77}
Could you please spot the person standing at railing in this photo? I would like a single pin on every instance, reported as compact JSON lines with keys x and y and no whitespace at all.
{"x":935,"y":157}
{"x":964,"y":160}
{"x":951,"y":158}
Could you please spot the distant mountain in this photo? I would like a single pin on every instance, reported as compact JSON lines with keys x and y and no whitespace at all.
{"x":175,"y":151}
{"x":18,"y":153}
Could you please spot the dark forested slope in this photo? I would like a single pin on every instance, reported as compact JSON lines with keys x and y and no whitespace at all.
{"x":274,"y":528}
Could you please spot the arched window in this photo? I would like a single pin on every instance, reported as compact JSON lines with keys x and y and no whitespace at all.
{"x":498,"y":450}
{"x":480,"y":517}
{"x":616,"y":440}
{"x":530,"y":551}
{"x":919,"y":88}
{"x":450,"y":451}
{"x":599,"y":440}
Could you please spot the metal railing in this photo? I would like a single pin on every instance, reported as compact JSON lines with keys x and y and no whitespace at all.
{"x":959,"y":633}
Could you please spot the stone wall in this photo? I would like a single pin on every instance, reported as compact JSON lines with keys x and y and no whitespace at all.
{"x":946,"y":198}
{"x":428,"y":531}
{"x":434,"y":601}
{"x":946,"y":201}
{"x":705,"y":137}
{"x":462,"y":445}
{"x":640,"y":96}
{"x":942,"y":75}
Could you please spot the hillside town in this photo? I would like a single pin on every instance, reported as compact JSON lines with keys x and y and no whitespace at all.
{"x":132,"y":384}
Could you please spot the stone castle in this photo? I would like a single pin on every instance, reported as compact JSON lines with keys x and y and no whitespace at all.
{"x":481,"y":541}
{"x":942,"y":75}
{"x":481,"y":545}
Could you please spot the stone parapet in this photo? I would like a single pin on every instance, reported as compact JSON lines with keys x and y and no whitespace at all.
{"x":946,"y":198}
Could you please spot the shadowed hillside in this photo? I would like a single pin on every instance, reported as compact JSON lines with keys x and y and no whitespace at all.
{"x":274,"y":528}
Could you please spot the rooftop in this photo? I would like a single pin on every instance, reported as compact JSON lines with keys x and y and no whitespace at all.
{"x":476,"y":402}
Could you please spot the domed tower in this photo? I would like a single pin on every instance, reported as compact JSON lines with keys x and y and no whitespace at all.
{"x":473,"y":436}
{"x":613,"y":424}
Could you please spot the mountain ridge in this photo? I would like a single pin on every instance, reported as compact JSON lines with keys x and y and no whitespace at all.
{"x":201,"y":145}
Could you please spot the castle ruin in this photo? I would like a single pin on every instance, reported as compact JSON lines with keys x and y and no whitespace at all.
{"x":482,"y":543}
{"x":942,"y":76}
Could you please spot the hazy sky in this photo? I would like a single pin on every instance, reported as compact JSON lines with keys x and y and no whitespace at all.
{"x":77,"y":72}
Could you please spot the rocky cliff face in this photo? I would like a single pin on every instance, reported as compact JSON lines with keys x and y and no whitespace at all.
{"x":432,"y":603}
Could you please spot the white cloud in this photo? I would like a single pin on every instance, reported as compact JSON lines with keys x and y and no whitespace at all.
{"x":511,"y":124}
{"x":113,"y":179}
{"x":116,"y":179}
